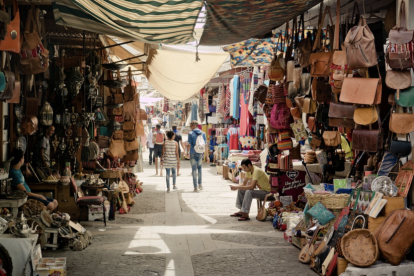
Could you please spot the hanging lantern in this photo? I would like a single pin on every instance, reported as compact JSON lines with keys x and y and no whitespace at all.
{"x":46,"y":115}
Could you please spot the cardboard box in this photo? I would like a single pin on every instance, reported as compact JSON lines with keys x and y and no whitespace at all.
{"x":393,"y":203}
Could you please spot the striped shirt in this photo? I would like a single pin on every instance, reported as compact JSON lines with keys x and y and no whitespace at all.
{"x":170,"y":159}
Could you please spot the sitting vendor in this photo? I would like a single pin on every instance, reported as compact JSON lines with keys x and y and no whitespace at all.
{"x":19,"y":183}
{"x":255,"y":177}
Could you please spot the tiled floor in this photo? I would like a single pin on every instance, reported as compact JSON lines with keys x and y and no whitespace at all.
{"x":184,"y":233}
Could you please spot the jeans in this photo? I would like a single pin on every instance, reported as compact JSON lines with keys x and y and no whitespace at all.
{"x":151,"y":157}
{"x":196,"y":160}
{"x":245,"y":197}
{"x":167,"y":177}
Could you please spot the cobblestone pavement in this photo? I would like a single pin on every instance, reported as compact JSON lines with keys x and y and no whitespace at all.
{"x":184,"y":233}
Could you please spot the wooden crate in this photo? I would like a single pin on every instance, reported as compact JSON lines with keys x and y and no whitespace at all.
{"x":225,"y":172}
{"x":393,"y":203}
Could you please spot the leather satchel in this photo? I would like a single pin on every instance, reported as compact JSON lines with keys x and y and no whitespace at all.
{"x":367,"y":139}
{"x":118,"y":111}
{"x":401,"y":149}
{"x":277,"y":68}
{"x":296,"y":112}
{"x":12,"y":41}
{"x":360,"y":46}
{"x":116,"y":148}
{"x":131,"y":145}
{"x":300,"y":101}
{"x":304,"y":47}
{"x":332,"y":138}
{"x":128,"y":125}
{"x":406,"y":98}
{"x":118,"y":135}
{"x":129,"y":110}
{"x":341,"y":115}
{"x":321,"y":90}
{"x":131,"y":156}
{"x":400,"y":50}
{"x":361,"y":91}
{"x":398,"y":79}
{"x":401,"y":123}
{"x":103,"y":141}
{"x":260,"y":93}
{"x":309,"y":106}
{"x":129,"y":135}
{"x":394,"y":236}
{"x":118,"y":98}
{"x":366,"y":115}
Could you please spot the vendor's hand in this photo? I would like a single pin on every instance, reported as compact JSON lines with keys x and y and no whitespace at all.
{"x":233,"y":188}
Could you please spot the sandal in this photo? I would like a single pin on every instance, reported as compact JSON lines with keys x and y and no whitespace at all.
{"x":236,"y":215}
{"x":243,"y":219}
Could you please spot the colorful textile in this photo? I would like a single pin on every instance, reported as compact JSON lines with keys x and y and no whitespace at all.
{"x":201,"y":113}
{"x":222,"y":100}
{"x":236,"y":97}
{"x":251,"y":52}
{"x":233,"y":21}
{"x":169,"y":22}
{"x":228,"y":100}
{"x":248,"y":142}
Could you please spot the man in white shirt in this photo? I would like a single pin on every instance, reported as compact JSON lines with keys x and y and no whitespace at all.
{"x":150,"y":145}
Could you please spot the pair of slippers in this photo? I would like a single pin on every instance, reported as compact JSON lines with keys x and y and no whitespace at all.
{"x":241,"y":218}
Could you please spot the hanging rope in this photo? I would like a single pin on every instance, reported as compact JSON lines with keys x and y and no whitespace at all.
{"x":197,"y":56}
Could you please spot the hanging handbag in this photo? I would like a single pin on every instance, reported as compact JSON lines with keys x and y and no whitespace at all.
{"x":299,"y":130}
{"x":305,"y":84}
{"x":367,"y":115}
{"x":34,"y":58}
{"x":7,"y":93}
{"x":401,"y":48}
{"x":129,"y":135}
{"x":118,"y":98}
{"x":116,"y":148}
{"x":296,"y":112}
{"x":277,"y":67}
{"x":119,"y":119}
{"x":290,"y":66}
{"x":129,"y":110}
{"x":305,"y":46}
{"x":142,"y":114}
{"x":131,"y":156}
{"x":128,"y":125}
{"x":361,"y":91}
{"x":368,"y":139}
{"x":118,"y":111}
{"x":360,"y":46}
{"x":297,"y":76}
{"x":103,"y":141}
{"x":260,"y":93}
{"x":406,"y":98}
{"x":139,"y":128}
{"x":309,"y":106}
{"x":398,"y":79}
{"x":292,"y":91}
{"x":119,"y":135}
{"x":12,"y":41}
{"x":280,"y":117}
{"x":339,"y":69}
{"x":276,"y":93}
{"x":401,"y":148}
{"x":401,"y":123}
{"x":321,"y":90}
{"x":331,"y":138}
{"x":341,"y":115}
{"x":131,"y":145}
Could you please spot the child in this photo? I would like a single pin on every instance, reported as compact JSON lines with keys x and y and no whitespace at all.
{"x":170,"y":158}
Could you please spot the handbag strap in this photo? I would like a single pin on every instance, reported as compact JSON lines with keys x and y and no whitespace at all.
{"x":353,"y":223}
{"x":338,"y":17}
{"x":402,"y":25}
{"x":318,"y":36}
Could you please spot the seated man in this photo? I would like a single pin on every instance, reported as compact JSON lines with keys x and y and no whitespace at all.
{"x":19,"y":183}
{"x":255,"y":177}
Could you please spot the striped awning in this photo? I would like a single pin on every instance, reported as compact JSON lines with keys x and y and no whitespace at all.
{"x":155,"y":21}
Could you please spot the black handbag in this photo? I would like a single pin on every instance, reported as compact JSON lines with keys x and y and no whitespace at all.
{"x":401,"y":148}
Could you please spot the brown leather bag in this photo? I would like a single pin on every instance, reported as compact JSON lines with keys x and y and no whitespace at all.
{"x":367,"y":139}
{"x":139,"y":128}
{"x":361,"y":91}
{"x":360,"y":46}
{"x":13,"y":39}
{"x":129,"y":110}
{"x":142,"y":114}
{"x":401,"y":123}
{"x":103,"y":141}
{"x":277,"y":68}
{"x":118,"y":135}
{"x":321,"y":90}
{"x":304,"y":47}
{"x":309,"y":106}
{"x":394,"y":236}
{"x":398,"y":79}
{"x":118,"y":111}
{"x":290,"y":66}
{"x":399,"y":52}
{"x":131,"y":145}
{"x":260,"y":93}
{"x":341,"y":115}
{"x":116,"y":148}
{"x":296,"y":112}
{"x":299,"y":101}
{"x":131,"y":156}
{"x":331,"y":138}
{"x":118,"y":98}
{"x":312,"y":124}
{"x":128,"y":125}
{"x":130,"y":135}
{"x":365,"y":115}
{"x":34,"y":58}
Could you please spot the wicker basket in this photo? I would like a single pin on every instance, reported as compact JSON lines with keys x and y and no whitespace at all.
{"x":329,"y":201}
{"x":360,"y":247}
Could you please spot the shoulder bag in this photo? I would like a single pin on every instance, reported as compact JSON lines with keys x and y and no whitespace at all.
{"x":129,"y":135}
{"x":131,"y":156}
{"x":280,"y":117}
{"x":398,"y":79}
{"x":142,"y":114}
{"x":341,"y":115}
{"x":129,"y":110}
{"x":277,"y":66}
{"x":406,"y":98}
{"x":131,"y":145}
{"x":118,"y":98}
{"x":366,"y":115}
{"x":12,"y":41}
{"x":260,"y":93}
{"x":116,"y":148}
{"x":305,"y":84}
{"x":400,"y":50}
{"x":331,"y":138}
{"x":118,"y":111}
{"x":309,"y":106}
{"x":369,"y":140}
{"x":262,"y":213}
{"x":304,"y":48}
{"x":139,"y":128}
{"x":401,"y":123}
{"x":118,"y":135}
{"x":103,"y":141}
{"x":399,"y":148}
{"x":321,"y":90}
{"x":277,"y":94}
{"x":128,"y":125}
{"x":360,"y":46}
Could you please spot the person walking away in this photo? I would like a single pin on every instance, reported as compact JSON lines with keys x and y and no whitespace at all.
{"x":255,"y":177}
{"x":170,"y":159}
{"x":197,"y":141}
{"x":150,"y":145}
{"x":149,"y":122}
{"x":158,"y":138}
{"x":179,"y":139}
{"x":165,"y":118}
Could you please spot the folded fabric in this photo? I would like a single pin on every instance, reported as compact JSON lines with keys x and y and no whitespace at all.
{"x":321,"y":214}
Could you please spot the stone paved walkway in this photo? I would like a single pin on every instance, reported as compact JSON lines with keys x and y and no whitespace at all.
{"x":184,"y":234}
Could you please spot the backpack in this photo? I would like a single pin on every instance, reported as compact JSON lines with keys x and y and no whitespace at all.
{"x":200,"y":145}
{"x":280,"y":117}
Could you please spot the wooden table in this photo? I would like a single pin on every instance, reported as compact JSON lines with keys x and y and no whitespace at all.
{"x":44,"y":186}
{"x":14,"y":204}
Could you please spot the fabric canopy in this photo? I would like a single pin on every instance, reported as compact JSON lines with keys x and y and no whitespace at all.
{"x":155,"y":21}
{"x":177,"y":76}
{"x":231,"y":21}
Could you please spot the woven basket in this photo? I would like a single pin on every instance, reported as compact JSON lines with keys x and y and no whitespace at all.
{"x":329,"y":201}
{"x":360,"y":247}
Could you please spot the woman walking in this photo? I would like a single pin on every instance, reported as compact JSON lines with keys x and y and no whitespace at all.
{"x":170,"y":158}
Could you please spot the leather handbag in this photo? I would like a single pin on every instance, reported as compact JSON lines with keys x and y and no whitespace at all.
{"x":296,"y":112}
{"x":312,"y":124}
{"x":321,"y":90}
{"x":292,"y":91}
{"x":260,"y":93}
{"x":367,"y":140}
{"x":277,"y":68}
{"x":305,"y":84}
{"x":290,"y":66}
{"x":131,"y":145}
{"x":300,"y":101}
{"x":118,"y":111}
{"x":7,"y":93}
{"x":34,"y":58}
{"x":297,"y":76}
{"x":401,"y":123}
{"x":394,"y":236}
{"x":12,"y":41}
{"x":309,"y":106}
{"x":361,"y":91}
{"x":262,"y":212}
{"x":118,"y":98}
{"x":406,"y":98}
{"x":277,"y":94}
{"x":401,"y":149}
{"x":129,"y":110}
{"x":118,"y":135}
{"x":360,"y":46}
{"x":16,"y":93}
{"x":367,"y":115}
{"x":339,"y":69}
{"x":304,"y":47}
{"x":103,"y":141}
{"x":139,"y":128}
{"x":129,"y":135}
{"x":341,"y":115}
{"x":398,"y":79}
{"x":400,"y":50}
{"x":131,"y":156}
{"x":331,"y":138}
{"x":116,"y":148}
{"x":142,"y":114}
{"x":128,"y":125}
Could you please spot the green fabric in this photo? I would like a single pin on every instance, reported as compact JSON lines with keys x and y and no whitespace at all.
{"x":406,"y":97}
{"x":320,"y":213}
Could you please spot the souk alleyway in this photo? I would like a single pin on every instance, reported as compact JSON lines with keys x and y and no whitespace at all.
{"x":184,"y":234}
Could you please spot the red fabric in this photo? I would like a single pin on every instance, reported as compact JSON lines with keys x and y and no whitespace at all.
{"x":234,"y":142}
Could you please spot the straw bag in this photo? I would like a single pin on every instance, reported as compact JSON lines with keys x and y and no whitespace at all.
{"x":360,"y":247}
